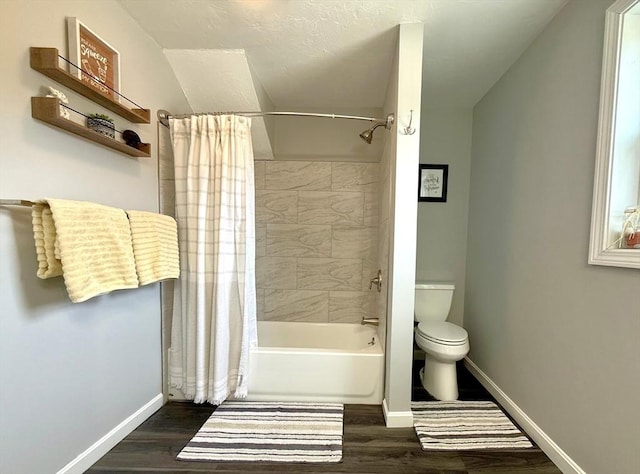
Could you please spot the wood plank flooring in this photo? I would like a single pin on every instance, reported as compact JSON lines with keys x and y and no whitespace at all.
{"x":369,"y":447}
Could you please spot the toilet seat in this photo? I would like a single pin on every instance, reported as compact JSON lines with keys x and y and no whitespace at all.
{"x":442,"y":333}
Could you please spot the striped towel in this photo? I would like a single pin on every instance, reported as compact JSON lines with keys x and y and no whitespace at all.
{"x":44,"y":232}
{"x":155,"y":246}
{"x":89,"y":244}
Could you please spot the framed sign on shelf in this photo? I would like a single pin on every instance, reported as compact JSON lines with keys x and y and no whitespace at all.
{"x":98,"y":63}
{"x":432,"y":185}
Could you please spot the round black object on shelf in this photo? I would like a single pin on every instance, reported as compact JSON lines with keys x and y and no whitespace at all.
{"x":131,"y":138}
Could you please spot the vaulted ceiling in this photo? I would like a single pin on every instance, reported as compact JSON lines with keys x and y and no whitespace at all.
{"x":323,"y":54}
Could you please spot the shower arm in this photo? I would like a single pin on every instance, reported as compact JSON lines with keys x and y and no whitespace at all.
{"x":164,"y":116}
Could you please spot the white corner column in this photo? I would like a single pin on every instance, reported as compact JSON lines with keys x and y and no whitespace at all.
{"x":403,"y":226}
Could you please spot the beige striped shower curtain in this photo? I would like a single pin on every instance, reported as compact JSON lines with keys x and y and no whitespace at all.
{"x":214,"y":312}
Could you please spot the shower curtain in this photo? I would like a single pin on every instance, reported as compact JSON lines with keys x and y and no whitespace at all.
{"x":214,"y":311}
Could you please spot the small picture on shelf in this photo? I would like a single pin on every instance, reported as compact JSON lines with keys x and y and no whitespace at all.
{"x":102,"y":124}
{"x":94,"y":61}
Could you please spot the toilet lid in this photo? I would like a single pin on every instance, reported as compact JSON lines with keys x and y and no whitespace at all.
{"x":443,"y":332}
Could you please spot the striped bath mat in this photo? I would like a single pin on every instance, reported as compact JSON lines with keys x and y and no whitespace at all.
{"x":462,"y":425}
{"x":269,"y":431}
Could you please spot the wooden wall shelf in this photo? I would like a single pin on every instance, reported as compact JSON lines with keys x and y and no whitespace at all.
{"x":47,"y":109}
{"x":45,"y":60}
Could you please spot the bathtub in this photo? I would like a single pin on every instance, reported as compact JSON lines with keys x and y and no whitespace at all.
{"x":316,"y":362}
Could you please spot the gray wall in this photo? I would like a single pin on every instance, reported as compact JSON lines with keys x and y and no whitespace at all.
{"x":558,"y":336}
{"x":71,"y":372}
{"x":442,"y":227}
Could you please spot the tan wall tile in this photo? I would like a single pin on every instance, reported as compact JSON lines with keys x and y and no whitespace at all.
{"x":322,"y":219}
{"x":290,"y":240}
{"x":259,"y":174}
{"x":260,"y":304}
{"x":354,"y":242}
{"x":354,"y":177}
{"x":276,"y":273}
{"x":290,"y":175}
{"x":296,"y":305}
{"x":277,"y":207}
{"x":329,"y":274}
{"x":318,"y":207}
{"x":261,"y":240}
{"x":371,"y":209}
{"x":351,"y":306}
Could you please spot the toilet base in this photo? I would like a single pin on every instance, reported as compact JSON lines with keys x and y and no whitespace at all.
{"x":440,"y":379}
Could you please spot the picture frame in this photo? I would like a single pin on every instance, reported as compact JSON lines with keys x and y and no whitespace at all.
{"x":432,"y":183}
{"x":97,"y":63}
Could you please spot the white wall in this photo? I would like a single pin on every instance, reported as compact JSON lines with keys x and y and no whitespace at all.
{"x":70,"y":373}
{"x":445,"y":138}
{"x":557,"y":336}
{"x":403,"y":95}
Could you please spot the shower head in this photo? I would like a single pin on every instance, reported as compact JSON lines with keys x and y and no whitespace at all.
{"x":367,"y":135}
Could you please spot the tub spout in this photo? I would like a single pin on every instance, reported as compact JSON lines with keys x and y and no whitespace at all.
{"x":372,"y":321}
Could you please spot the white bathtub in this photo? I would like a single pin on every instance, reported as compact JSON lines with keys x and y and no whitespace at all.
{"x":317,"y":362}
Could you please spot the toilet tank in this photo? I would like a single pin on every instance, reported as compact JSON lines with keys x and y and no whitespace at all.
{"x":433,"y":301}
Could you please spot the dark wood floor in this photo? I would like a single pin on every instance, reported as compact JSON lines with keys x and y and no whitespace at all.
{"x":369,"y":447}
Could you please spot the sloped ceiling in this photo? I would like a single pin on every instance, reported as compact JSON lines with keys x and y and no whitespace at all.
{"x":221,"y":80}
{"x":310,"y":54}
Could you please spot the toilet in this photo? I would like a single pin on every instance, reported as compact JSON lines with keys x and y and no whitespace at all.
{"x":444,"y":343}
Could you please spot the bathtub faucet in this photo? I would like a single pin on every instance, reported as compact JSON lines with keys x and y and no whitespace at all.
{"x":372,"y":321}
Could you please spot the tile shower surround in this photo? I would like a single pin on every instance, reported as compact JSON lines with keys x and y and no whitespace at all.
{"x":316,"y":240}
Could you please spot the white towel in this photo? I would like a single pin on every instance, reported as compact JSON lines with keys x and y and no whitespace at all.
{"x":89,"y":244}
{"x":155,"y":246}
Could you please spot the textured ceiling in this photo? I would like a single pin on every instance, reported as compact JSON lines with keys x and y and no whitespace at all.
{"x":205,"y":76}
{"x":338,"y":53}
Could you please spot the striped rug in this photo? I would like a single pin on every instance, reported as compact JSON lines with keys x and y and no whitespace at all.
{"x":463,"y":425}
{"x":269,"y":431}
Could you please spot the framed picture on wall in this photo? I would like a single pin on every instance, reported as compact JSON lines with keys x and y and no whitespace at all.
{"x":432,"y":184}
{"x":98,"y":64}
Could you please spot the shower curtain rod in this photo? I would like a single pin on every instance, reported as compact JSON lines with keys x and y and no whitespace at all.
{"x":164,"y":116}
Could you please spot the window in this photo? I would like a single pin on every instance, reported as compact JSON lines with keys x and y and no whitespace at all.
{"x":616,"y":202}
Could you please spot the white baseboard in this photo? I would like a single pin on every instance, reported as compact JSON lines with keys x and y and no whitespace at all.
{"x":396,"y":419}
{"x":550,"y":448}
{"x":101,"y":447}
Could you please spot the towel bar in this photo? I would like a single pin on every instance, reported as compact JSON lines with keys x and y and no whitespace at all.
{"x":16,"y":202}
